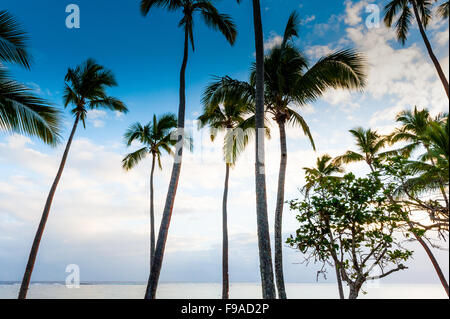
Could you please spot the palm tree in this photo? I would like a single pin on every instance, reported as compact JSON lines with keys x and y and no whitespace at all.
{"x":421,"y":9}
{"x":217,"y":21}
{"x":324,"y":169}
{"x":290,"y":81}
{"x":417,"y":129}
{"x":432,"y":177}
{"x":229,"y":116}
{"x":370,"y":145}
{"x":315,"y":176}
{"x":85,"y":88}
{"x":156,"y":137}
{"x":20,"y":110}
{"x":265,"y":254}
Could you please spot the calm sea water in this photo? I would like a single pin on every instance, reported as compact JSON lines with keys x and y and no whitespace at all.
{"x":213,"y":291}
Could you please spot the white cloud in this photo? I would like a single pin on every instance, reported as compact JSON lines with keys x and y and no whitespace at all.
{"x":273,"y":41}
{"x":318,"y":51}
{"x":308,"y":19}
{"x":352,"y":12}
{"x":97,"y":117}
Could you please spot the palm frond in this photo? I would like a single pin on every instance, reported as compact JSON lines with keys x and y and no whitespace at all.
{"x":22,"y":112}
{"x":403,"y":24}
{"x":291,"y":29}
{"x":443,"y":10}
{"x":348,"y":157}
{"x":132,"y":159}
{"x":298,"y":120}
{"x":216,"y":20}
{"x":344,"y":69}
{"x":170,"y":5}
{"x":110,"y":103}
{"x":13,"y":41}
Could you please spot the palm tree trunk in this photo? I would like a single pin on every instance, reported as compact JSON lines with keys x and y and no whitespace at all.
{"x":265,"y":254}
{"x":433,"y":261}
{"x":152,"y":214}
{"x":430,"y":49}
{"x":173,"y":185}
{"x":279,"y":214}
{"x":225,"y":276}
{"x":37,"y":239}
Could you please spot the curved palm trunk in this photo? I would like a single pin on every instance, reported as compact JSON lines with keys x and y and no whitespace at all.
{"x":279,"y":214}
{"x":152,"y":214}
{"x":430,"y":49}
{"x":37,"y":239}
{"x":427,"y":250}
{"x":173,"y":185}
{"x":265,"y":254}
{"x":433,"y":261}
{"x":225,"y":276}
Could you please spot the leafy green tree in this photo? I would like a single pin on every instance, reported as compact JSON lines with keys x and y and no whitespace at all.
{"x":403,"y":11}
{"x":352,"y":224}
{"x":229,"y":116}
{"x":156,"y":138}
{"x":317,"y":176}
{"x":22,"y":111}
{"x":225,"y":25}
{"x":371,"y":145}
{"x":85,"y":89}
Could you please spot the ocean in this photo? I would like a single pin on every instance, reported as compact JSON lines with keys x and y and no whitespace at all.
{"x":213,"y":291}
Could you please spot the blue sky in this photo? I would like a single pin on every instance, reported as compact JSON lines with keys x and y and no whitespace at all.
{"x":145,"y":53}
{"x":99,"y":218}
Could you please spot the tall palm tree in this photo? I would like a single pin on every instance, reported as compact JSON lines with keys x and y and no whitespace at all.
{"x":85,"y":88}
{"x":155,"y":137}
{"x":229,"y":116}
{"x":324,"y":170}
{"x":22,"y":111}
{"x":265,"y":253}
{"x":225,"y":25}
{"x":291,"y":82}
{"x":402,"y":11}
